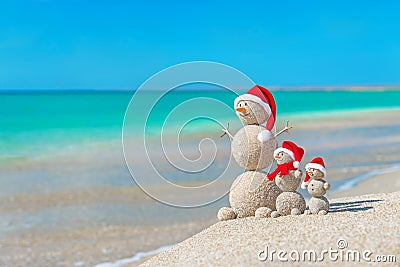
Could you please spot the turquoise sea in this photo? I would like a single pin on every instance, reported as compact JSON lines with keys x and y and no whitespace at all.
{"x":37,"y":122}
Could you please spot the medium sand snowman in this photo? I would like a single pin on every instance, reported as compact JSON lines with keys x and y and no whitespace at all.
{"x":317,"y":187}
{"x":288,"y":178}
{"x":252,"y":147}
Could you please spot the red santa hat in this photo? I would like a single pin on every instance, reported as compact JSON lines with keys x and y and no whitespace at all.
{"x":317,"y":163}
{"x":263,"y":97}
{"x":294,"y":151}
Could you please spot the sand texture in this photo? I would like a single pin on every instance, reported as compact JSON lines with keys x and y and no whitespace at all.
{"x":250,"y":191}
{"x":287,"y":201}
{"x":369,"y":222}
{"x":249,"y":152}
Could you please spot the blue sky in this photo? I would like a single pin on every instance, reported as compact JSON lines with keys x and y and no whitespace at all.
{"x":75,"y":44}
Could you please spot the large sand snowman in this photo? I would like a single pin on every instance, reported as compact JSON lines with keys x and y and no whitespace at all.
{"x":252,"y":194}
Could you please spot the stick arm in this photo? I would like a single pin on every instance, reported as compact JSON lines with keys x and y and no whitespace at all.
{"x":286,"y":129}
{"x":226,"y":132}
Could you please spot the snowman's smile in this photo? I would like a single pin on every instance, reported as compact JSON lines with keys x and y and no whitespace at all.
{"x":244,"y":114}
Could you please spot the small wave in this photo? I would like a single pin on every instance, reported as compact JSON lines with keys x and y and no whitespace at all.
{"x":134,"y":258}
{"x":352,"y":182}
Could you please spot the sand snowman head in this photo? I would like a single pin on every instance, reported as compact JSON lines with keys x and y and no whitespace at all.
{"x":257,"y":106}
{"x":250,"y":112}
{"x":315,"y":174}
{"x":289,"y":152}
{"x":282,"y":157}
{"x":315,"y":170}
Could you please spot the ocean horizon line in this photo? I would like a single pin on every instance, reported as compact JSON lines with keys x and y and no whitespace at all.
{"x":358,"y":88}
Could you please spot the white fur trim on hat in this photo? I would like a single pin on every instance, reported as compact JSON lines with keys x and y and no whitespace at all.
{"x":253,"y":98}
{"x":316,"y":166}
{"x":264,"y":135}
{"x":287,"y":151}
{"x":304,"y":185}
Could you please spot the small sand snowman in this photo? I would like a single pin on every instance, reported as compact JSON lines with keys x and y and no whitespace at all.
{"x":317,"y":187}
{"x":252,"y":147}
{"x":288,"y":178}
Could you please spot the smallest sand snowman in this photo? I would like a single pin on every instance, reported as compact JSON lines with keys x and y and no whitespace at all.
{"x":316,"y":187}
{"x":288,"y":178}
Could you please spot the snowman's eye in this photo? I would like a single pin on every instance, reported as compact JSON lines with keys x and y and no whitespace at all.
{"x":245,"y":103}
{"x":240,"y":105}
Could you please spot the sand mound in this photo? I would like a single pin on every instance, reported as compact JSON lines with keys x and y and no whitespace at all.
{"x":366,"y":223}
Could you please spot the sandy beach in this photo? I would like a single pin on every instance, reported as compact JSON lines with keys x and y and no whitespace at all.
{"x":364,"y":223}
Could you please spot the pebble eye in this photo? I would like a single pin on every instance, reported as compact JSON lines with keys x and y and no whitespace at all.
{"x":240,"y":105}
{"x":245,"y":103}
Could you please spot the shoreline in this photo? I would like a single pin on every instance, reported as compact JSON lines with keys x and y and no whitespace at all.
{"x":386,"y":182}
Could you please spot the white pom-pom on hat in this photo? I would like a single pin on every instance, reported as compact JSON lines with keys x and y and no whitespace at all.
{"x":296,"y":164}
{"x":264,"y":136}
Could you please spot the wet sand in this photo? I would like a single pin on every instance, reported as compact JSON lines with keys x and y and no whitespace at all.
{"x":384,"y":183}
{"x":89,"y":227}
{"x":89,"y":246}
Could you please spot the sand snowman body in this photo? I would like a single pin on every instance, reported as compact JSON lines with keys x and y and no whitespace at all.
{"x":251,"y":194}
{"x":289,"y":202}
{"x":249,"y":152}
{"x":318,"y":204}
{"x":251,"y":191}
